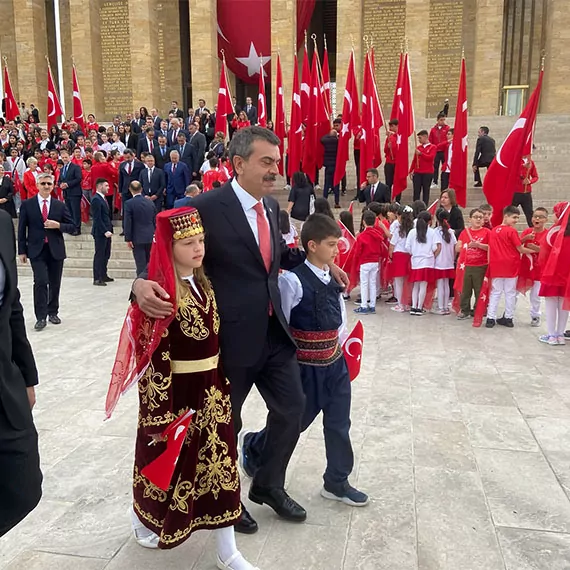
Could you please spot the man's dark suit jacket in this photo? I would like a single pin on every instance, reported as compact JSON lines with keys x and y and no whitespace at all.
{"x":143,"y":145}
{"x":31,"y":231}
{"x":172,"y":136}
{"x":157,"y":122}
{"x":186,"y":153}
{"x":140,"y":215}
{"x":155,"y":187}
{"x":484,"y":151}
{"x":160,"y":160}
{"x":133,"y":141}
{"x":251,"y":114}
{"x":381,"y":195}
{"x":198,"y":144}
{"x":73,"y":179}
{"x":125,"y":178}
{"x":101,"y":216}
{"x":176,"y":184}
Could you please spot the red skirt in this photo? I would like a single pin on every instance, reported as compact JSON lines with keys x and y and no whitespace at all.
{"x":400,"y":266}
{"x":551,"y":290}
{"x":444,"y":273}
{"x":423,"y":274}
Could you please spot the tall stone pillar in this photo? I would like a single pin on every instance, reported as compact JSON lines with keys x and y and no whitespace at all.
{"x":487,"y":62}
{"x":31,"y":49}
{"x":417,"y":32}
{"x":284,"y":39}
{"x":168,"y":55}
{"x":204,"y":52}
{"x":8,"y":46}
{"x":349,"y":31}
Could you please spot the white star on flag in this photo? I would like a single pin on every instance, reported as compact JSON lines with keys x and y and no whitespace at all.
{"x":253,"y":61}
{"x":344,"y":129}
{"x":462,"y":266}
{"x":465,"y":246}
{"x":483,"y":297}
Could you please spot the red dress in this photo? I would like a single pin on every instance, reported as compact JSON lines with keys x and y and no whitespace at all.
{"x":205,"y":489}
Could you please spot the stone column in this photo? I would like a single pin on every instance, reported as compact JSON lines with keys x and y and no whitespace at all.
{"x":349,"y":29}
{"x":8,"y":46}
{"x":284,"y":38}
{"x":487,"y":62}
{"x":204,"y":52}
{"x":417,"y":32}
{"x":169,"y":64}
{"x":31,"y":49}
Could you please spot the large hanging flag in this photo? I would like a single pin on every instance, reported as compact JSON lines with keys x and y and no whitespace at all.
{"x":350,"y":121}
{"x":305,"y":85}
{"x":398,"y":89}
{"x":377,"y":115}
{"x":458,"y":154}
{"x":54,"y":110}
{"x":326,"y":89}
{"x":11,"y":110}
{"x":261,"y":101}
{"x":279,"y":127}
{"x":295,"y":138}
{"x":225,"y":106}
{"x":503,"y":175}
{"x":406,"y":126}
{"x":78,"y":116}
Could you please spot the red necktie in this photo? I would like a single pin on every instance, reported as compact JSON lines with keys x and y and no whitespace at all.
{"x":130,"y":168}
{"x":264,"y":241}
{"x":45,"y":216}
{"x":150,"y":146}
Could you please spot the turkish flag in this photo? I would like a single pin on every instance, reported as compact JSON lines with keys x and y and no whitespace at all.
{"x":225,"y":105}
{"x":482,"y":301}
{"x":160,"y":471}
{"x":77,"y":103}
{"x":377,"y":115}
{"x":295,"y":139}
{"x":351,"y":207}
{"x":280,"y":129}
{"x":503,"y":175}
{"x":398,"y":89}
{"x":244,"y":36}
{"x":11,"y":110}
{"x":54,"y":106}
{"x":459,"y":276}
{"x":326,"y":88}
{"x":366,"y":124}
{"x":345,"y":245}
{"x":305,"y":87}
{"x":350,"y":121}
{"x":261,"y":100}
{"x":433,"y":208}
{"x":352,"y":349}
{"x":458,"y":172}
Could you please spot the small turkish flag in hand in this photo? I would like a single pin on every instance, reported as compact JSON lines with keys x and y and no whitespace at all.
{"x":160,"y":471}
{"x":352,"y":349}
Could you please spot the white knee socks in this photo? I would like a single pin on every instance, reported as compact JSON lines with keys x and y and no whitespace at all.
{"x":419,"y":294}
{"x":442,"y":293}
{"x":556,"y":316}
{"x":226,"y":547}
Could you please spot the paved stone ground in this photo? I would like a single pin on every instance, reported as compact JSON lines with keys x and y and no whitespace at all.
{"x":462,"y":440}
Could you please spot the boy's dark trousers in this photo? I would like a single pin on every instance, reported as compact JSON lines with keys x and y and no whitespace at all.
{"x":437,"y":162}
{"x":472,"y":282}
{"x":422,"y":183}
{"x":444,"y":181}
{"x":327,"y":389}
{"x":524,"y":200}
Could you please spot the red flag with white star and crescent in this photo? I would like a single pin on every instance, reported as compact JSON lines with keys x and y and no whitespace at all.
{"x":280,"y":113}
{"x":54,"y":110}
{"x":225,"y":106}
{"x":11,"y":110}
{"x":78,"y":116}
{"x":352,"y":349}
{"x":295,"y":138}
{"x":305,"y":86}
{"x":261,"y":100}
{"x":326,"y":88}
{"x":458,"y":171}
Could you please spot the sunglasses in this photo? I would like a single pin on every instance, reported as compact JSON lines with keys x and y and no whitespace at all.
{"x":45,"y":183}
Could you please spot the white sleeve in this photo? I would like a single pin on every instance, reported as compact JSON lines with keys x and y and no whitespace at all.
{"x":342,"y":330}
{"x":411,"y":236}
{"x":291,"y":292}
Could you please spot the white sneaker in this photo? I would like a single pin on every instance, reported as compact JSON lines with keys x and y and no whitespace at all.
{"x":227,"y":565}
{"x":535,"y":321}
{"x":560,"y":340}
{"x":143,"y":535}
{"x":434,"y":185}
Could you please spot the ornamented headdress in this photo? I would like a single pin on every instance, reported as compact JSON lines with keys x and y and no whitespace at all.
{"x":186,"y":224}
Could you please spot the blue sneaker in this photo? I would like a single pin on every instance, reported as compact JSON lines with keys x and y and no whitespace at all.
{"x":346,"y":494}
{"x":242,"y":454}
{"x":372,"y":310}
{"x":361,"y":311}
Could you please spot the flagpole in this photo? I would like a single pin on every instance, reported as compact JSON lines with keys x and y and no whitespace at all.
{"x":59,"y":56}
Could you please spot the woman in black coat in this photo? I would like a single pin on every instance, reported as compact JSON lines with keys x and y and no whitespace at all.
{"x":448,"y":201}
{"x":300,"y":197}
{"x":7,"y":194}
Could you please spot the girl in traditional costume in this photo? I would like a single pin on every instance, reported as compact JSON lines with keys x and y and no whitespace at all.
{"x":176,"y":363}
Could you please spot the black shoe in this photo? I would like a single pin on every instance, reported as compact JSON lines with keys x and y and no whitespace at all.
{"x":40,"y":325}
{"x":54,"y":320}
{"x":490,"y":323}
{"x":391,"y":301}
{"x":505,"y":322}
{"x":108,"y":279}
{"x":100,"y":283}
{"x":280,"y":502}
{"x":567,"y":334}
{"x":246,"y":523}
{"x":122,"y":234}
{"x":478,"y":184}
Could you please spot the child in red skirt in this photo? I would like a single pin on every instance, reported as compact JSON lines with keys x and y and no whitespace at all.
{"x":423,"y":247}
{"x":399,"y":257}
{"x":555,"y":278}
{"x":444,"y":262}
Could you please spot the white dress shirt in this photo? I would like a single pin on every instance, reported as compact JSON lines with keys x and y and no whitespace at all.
{"x":41,"y":202}
{"x":248,"y":203}
{"x":292,"y":292}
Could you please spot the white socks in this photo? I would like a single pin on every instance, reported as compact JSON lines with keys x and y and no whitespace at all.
{"x":226,"y":547}
{"x":399,"y":289}
{"x":442,"y":294}
{"x":556,"y":316}
{"x":419,"y":291}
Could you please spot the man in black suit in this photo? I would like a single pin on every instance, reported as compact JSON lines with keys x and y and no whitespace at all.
{"x":20,"y":475}
{"x":102,"y":232}
{"x":174,"y":131}
{"x":198,"y":143}
{"x":374,"y":191}
{"x":161,"y":130}
{"x":186,"y":152}
{"x":146,"y":143}
{"x":70,"y":182}
{"x":155,"y":118}
{"x":251,"y":111}
{"x":161,"y":152}
{"x":177,"y":112}
{"x":330,"y":147}
{"x":129,"y":171}
{"x":40,"y":239}
{"x":140,"y":223}
{"x":236,"y":218}
{"x":153,"y":181}
{"x":484,"y":154}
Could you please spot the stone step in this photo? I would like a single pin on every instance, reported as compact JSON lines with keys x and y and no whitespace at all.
{"x":87,"y":272}
{"x":87,"y":253}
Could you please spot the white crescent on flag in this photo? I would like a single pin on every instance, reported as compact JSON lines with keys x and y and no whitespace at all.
{"x":51,"y":108}
{"x":521,"y":122}
{"x":347,"y":346}
{"x":344,"y":242}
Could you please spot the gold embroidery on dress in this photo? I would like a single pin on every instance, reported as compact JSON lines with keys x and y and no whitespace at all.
{"x":167,"y":418}
{"x":182,"y":491}
{"x":150,"y":491}
{"x":191,"y":322}
{"x":153,"y":387}
{"x":215,"y":316}
{"x":166,"y":355}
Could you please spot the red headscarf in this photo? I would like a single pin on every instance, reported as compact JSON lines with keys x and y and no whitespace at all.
{"x":140,"y":335}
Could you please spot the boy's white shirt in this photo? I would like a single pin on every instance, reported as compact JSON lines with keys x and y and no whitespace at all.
{"x":292,"y":293}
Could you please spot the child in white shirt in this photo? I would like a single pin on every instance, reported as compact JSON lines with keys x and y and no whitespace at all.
{"x":445,"y":261}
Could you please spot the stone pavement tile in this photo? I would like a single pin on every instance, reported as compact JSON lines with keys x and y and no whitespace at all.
{"x":388,"y":440}
{"x":25,"y":535}
{"x":552,"y":433}
{"x":533,"y":550}
{"x":560,"y":464}
{"x":435,"y":403}
{"x":442,"y":444}
{"x":393,"y":401}
{"x":123,"y":423}
{"x":483,"y":390}
{"x":539,"y":399}
{"x":498,"y":427}
{"x":522,"y":490}
{"x":31,"y":560}
{"x":455,"y":530}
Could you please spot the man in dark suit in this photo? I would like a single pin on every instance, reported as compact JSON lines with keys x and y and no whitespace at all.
{"x":330,"y":146}
{"x":129,"y":171}
{"x":185,"y":202}
{"x":174,"y":131}
{"x":241,"y":221}
{"x":186,"y":152}
{"x":374,"y":191}
{"x":153,"y":181}
{"x":70,"y":182}
{"x":198,"y":143}
{"x":162,"y":130}
{"x":140,"y":223}
{"x":102,"y":232}
{"x":155,"y":118}
{"x":251,"y":111}
{"x":161,"y":152}
{"x":177,"y":178}
{"x":484,"y":154}
{"x":146,"y":143}
{"x":20,"y":475}
{"x":40,"y":239}
{"x":177,"y":112}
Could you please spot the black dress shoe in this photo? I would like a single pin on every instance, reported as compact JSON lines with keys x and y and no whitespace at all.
{"x":40,"y":325}
{"x":246,"y":524}
{"x":505,"y":322}
{"x":54,"y":320}
{"x":100,"y":283}
{"x":280,"y":502}
{"x":108,"y":279}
